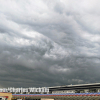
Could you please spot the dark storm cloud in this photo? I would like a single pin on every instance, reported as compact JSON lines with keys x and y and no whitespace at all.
{"x":48,"y":43}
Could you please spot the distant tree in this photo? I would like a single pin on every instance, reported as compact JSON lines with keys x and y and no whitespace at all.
{"x":79,"y":91}
{"x":93,"y":90}
{"x":82,"y":91}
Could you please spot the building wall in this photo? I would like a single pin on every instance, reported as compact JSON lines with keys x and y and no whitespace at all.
{"x":46,"y":99}
{"x":6,"y":94}
{"x":64,"y":91}
{"x":98,"y":90}
{"x":77,"y":91}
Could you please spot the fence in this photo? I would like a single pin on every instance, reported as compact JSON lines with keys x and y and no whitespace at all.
{"x":67,"y":96}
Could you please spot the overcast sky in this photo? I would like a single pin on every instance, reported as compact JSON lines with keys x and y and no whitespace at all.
{"x":49,"y":42}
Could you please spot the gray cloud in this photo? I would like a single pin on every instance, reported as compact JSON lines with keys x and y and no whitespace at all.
{"x":48,"y":43}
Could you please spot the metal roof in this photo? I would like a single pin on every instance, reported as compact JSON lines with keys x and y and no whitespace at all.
{"x":75,"y":85}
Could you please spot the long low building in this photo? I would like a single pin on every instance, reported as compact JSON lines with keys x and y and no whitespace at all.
{"x":80,"y":88}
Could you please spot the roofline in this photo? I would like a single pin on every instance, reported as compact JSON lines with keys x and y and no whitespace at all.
{"x":75,"y":85}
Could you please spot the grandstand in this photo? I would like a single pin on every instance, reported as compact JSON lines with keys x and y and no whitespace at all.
{"x":67,"y":92}
{"x":80,"y":88}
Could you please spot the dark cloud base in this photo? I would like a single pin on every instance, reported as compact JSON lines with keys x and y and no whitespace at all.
{"x":48,"y":43}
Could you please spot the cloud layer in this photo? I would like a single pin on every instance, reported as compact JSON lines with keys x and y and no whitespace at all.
{"x":49,"y":43}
